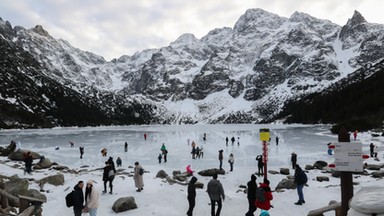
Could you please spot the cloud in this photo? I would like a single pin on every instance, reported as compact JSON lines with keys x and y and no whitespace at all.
{"x":112,"y":28}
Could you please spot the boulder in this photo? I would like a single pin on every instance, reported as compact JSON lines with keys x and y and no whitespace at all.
{"x":60,"y":167}
{"x":9,"y":149}
{"x":286,"y":184}
{"x":335,"y":173}
{"x":379,"y":174}
{"x":124,"y":204}
{"x":322,"y":178}
{"x":308,"y":167}
{"x":199,"y":185}
{"x":284,"y":171}
{"x":368,"y":201}
{"x":161,"y":174}
{"x":182,"y":176}
{"x":53,"y":180}
{"x":210,"y":172}
{"x":176,"y":172}
{"x":44,"y":164}
{"x":320,"y":164}
{"x":19,"y":155}
{"x":17,"y":186}
{"x":273,"y":172}
{"x":36,"y":194}
{"x":373,"y":167}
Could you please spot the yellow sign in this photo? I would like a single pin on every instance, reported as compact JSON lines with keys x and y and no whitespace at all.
{"x":264,"y":134}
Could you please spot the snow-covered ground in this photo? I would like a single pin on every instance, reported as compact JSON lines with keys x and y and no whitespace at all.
{"x":162,"y":199}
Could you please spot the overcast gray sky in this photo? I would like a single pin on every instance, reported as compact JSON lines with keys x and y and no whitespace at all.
{"x":112,"y":28}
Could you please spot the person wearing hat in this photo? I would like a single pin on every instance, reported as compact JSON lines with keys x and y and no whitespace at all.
{"x":221,"y":157}
{"x":91,"y":198}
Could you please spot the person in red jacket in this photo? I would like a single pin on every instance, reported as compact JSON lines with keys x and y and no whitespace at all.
{"x":266,"y":205}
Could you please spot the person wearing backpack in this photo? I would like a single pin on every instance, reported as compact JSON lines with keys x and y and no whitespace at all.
{"x":266,"y":203}
{"x":138,"y":177}
{"x":252,"y":186}
{"x":300,"y":180}
{"x":78,"y":199}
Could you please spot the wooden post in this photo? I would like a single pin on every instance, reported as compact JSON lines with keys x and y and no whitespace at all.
{"x":345,"y":178}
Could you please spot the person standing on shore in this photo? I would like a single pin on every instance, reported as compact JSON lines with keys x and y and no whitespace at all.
{"x":251,"y":196}
{"x":91,"y":198}
{"x":221,"y":157}
{"x":191,"y":195}
{"x":78,"y":199}
{"x":138,"y":176}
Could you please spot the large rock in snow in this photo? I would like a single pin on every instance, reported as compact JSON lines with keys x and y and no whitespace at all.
{"x":367,"y":201}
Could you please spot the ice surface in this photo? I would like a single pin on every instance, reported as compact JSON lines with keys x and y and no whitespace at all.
{"x":162,"y":199}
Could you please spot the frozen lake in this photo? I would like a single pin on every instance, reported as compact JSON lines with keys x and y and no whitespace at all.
{"x":306,"y":141}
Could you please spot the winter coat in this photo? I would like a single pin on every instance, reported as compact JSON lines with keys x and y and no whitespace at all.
{"x":221,"y":155}
{"x":252,"y":186}
{"x":299,"y":176}
{"x":106,"y":176}
{"x":266,"y":205}
{"x":78,"y":197}
{"x":231,"y":159}
{"x":92,"y":199}
{"x":192,"y":188}
{"x":259,"y":159}
{"x":215,"y":190}
{"x":139,"y":182}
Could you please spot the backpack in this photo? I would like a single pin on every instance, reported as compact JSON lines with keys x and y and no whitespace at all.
{"x":305,"y":178}
{"x":141,"y":171}
{"x":69,"y":199}
{"x":260,"y":194}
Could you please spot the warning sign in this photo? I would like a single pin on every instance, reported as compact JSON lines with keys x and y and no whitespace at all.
{"x":348,"y":156}
{"x":264,"y":134}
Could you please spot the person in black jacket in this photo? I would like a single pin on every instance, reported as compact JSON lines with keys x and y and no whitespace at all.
{"x":191,"y":195}
{"x":300,"y":180}
{"x":78,"y":198}
{"x":252,"y":186}
{"x":108,"y":176}
{"x":260,"y":165}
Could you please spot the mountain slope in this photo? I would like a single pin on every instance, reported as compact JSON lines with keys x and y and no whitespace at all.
{"x":242,"y":74}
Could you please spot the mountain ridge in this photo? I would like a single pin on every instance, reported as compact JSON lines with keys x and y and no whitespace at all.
{"x":242,"y":74}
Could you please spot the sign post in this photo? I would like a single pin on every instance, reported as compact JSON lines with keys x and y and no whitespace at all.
{"x":345,"y":176}
{"x":264,"y":137}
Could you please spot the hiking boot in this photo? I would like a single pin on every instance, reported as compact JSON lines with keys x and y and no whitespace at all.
{"x":298,"y":203}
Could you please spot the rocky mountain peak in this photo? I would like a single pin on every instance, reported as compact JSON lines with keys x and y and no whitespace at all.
{"x":185,"y":39}
{"x":356,"y":19}
{"x":354,"y":27}
{"x":257,"y":18}
{"x":40,"y":30}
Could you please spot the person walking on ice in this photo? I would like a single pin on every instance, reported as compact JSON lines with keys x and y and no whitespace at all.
{"x":216,"y":194}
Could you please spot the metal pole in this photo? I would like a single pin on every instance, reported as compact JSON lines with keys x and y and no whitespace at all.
{"x":345,"y":178}
{"x":265,"y":158}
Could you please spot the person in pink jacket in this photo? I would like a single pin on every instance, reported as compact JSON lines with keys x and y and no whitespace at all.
{"x":91,"y":198}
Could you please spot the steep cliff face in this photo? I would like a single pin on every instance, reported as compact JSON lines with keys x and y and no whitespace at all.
{"x":240,"y":74}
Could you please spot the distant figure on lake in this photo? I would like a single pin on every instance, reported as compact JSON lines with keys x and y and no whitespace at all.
{"x":81,"y":148}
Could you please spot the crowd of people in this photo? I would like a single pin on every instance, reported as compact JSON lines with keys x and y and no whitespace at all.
{"x":89,"y":202}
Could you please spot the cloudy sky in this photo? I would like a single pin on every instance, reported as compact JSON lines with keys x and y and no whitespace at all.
{"x":112,"y":28}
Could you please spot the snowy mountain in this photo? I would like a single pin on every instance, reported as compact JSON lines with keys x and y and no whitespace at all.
{"x":231,"y":75}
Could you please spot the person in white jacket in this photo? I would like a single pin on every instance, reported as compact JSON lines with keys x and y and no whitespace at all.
{"x":91,"y":198}
{"x":231,"y":160}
